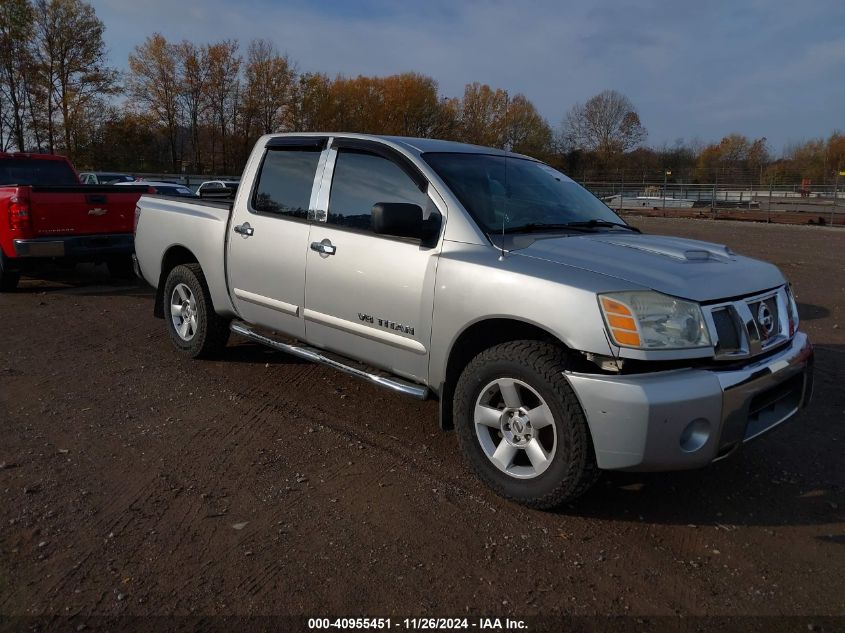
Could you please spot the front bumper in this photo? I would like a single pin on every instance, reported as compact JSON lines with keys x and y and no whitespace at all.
{"x":687,"y":418}
{"x":84,"y":247}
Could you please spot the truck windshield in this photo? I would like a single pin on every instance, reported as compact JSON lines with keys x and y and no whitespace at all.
{"x":515,"y":194}
{"x":32,"y":171}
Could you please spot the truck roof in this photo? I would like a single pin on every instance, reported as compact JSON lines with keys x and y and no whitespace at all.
{"x":32,"y":155}
{"x":414,"y":145}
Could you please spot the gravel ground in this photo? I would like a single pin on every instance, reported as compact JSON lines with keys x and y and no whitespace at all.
{"x":134,"y":482}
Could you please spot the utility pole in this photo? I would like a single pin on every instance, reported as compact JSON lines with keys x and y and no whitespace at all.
{"x":839,"y":172}
{"x":666,"y":172}
{"x":622,"y":192}
{"x":769,"y":212}
{"x":713,"y":195}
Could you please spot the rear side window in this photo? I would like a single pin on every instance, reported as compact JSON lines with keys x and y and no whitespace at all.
{"x":285,"y":182}
{"x":29,"y":171}
{"x":362,"y":179}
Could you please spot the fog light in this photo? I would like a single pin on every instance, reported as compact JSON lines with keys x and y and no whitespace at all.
{"x":695,"y":435}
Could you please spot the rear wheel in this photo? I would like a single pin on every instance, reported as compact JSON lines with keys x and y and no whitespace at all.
{"x":195,"y":328}
{"x":8,"y":278}
{"x":521,"y":427}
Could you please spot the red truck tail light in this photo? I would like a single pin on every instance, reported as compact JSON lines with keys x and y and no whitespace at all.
{"x":20,"y":217}
{"x":138,"y":212}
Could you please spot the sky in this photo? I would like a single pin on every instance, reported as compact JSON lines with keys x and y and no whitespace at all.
{"x":696,"y":70}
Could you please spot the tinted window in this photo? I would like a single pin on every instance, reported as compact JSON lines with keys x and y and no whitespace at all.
{"x":512,"y":192}
{"x":27,"y":171}
{"x":361,"y":180}
{"x":172,"y":191}
{"x":285,"y":181}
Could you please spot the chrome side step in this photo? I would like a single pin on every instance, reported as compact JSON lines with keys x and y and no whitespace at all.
{"x":318,"y":356}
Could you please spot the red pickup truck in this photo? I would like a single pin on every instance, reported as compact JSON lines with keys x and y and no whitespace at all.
{"x":46,"y":214}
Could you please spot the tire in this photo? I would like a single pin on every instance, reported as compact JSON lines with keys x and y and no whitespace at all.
{"x":121,"y":267}
{"x":8,"y":278}
{"x":206,"y":333}
{"x":499,"y":440}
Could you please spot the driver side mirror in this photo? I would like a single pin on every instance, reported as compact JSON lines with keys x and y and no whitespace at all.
{"x":403,"y":219}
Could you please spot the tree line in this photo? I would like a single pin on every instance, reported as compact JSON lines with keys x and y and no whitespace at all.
{"x":199,"y":108}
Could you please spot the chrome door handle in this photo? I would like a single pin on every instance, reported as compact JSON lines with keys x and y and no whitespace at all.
{"x":244,"y":229}
{"x":325,"y":248}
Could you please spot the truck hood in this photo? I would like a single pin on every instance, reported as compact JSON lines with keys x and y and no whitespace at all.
{"x":684,"y":268}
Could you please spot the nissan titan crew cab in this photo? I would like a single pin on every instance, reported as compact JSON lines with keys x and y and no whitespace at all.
{"x":559,"y":340}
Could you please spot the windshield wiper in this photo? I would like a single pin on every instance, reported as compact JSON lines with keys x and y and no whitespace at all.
{"x":589,"y":224}
{"x":539,"y":227}
{"x":534,"y":227}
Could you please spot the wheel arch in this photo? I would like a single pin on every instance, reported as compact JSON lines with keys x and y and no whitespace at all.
{"x":174,"y":256}
{"x":474,"y":339}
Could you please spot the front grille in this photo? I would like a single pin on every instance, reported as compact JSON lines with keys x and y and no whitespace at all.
{"x":727,"y":332}
{"x":749,"y":326}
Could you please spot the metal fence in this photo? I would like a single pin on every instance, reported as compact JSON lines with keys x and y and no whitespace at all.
{"x":822,"y":201}
{"x":712,"y":191}
{"x":820,"y":204}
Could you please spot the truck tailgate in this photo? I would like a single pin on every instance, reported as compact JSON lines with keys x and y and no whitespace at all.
{"x":83,"y":210}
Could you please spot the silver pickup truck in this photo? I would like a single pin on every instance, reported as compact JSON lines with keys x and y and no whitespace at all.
{"x":559,"y":340}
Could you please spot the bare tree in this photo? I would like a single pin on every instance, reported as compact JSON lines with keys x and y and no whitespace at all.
{"x":269,"y":84}
{"x":15,"y":61}
{"x":70,"y":46}
{"x":223,"y":84}
{"x":154,"y":83}
{"x":608,"y":124}
{"x":194,"y":93}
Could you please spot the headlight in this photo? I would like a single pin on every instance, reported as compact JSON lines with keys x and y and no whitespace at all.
{"x":650,"y":320}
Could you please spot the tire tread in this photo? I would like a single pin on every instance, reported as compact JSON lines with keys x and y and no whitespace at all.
{"x":213,"y":330}
{"x":548,"y":361}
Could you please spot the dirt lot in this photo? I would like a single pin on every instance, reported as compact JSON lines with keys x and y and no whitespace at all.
{"x":779,"y":213}
{"x":133,"y":482}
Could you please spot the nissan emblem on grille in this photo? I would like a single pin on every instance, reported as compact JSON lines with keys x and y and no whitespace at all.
{"x":765,"y":320}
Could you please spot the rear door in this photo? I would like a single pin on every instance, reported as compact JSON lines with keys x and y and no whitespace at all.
{"x":368,"y":296}
{"x":269,"y":239}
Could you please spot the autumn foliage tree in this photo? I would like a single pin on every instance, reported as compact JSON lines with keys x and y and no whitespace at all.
{"x":269,"y":89}
{"x":734,"y":158}
{"x":199,"y":108}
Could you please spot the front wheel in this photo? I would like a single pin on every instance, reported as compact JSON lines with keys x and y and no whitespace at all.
{"x":195,"y":328}
{"x":521,"y":427}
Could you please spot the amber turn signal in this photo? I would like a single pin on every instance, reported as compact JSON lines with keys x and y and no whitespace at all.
{"x":620,"y":321}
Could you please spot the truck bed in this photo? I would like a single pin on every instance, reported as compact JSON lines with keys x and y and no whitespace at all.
{"x":163,"y":221}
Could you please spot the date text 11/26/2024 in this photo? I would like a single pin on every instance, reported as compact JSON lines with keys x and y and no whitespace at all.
{"x":418,"y":624}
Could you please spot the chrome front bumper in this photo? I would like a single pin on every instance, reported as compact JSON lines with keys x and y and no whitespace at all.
{"x":687,"y":418}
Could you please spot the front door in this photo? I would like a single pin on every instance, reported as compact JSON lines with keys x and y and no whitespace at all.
{"x":269,"y":240}
{"x":369,"y":296}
